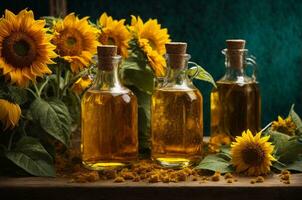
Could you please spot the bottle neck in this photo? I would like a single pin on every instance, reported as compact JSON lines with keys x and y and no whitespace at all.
{"x":177,"y":76}
{"x":235,"y":62}
{"x":177,"y":67}
{"x":108,"y":80}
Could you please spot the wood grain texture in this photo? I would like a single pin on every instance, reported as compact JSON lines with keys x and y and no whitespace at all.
{"x":58,"y":188}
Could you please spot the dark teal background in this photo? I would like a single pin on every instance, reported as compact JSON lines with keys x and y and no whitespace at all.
{"x":272,"y":28}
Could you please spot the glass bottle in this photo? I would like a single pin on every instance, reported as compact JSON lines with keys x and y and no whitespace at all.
{"x":176,"y":114}
{"x":236,"y":102}
{"x":109,"y":117}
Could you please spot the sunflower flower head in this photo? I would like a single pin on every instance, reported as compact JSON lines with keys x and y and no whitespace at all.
{"x":76,"y":41}
{"x":81,"y":84}
{"x":114,"y":32}
{"x":217,"y":140}
{"x":286,"y":126}
{"x":151,"y":38}
{"x":9,"y":114}
{"x":252,"y":154}
{"x":25,"y":47}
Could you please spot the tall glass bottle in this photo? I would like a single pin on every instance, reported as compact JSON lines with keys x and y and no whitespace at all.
{"x":109,"y":117}
{"x":236,"y":102}
{"x":176,"y":114}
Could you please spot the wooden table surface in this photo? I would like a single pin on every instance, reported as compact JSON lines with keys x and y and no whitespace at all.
{"x":58,"y":188}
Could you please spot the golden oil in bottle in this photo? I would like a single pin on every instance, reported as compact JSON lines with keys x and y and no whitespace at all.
{"x":236,"y":102}
{"x":109,"y":129}
{"x":176,"y":114}
{"x":177,"y":127}
{"x":109,"y":118}
{"x":235,"y":108}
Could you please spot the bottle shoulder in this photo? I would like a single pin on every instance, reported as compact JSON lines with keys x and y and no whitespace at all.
{"x":239,"y":80}
{"x":113,"y":93}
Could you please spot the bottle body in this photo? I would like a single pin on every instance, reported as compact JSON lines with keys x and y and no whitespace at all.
{"x":177,"y":127}
{"x":109,"y":129}
{"x":234,"y":109}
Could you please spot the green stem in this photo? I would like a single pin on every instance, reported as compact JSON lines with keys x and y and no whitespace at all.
{"x":10,"y":142}
{"x":58,"y":73}
{"x":32,"y":92}
{"x":74,"y":79}
{"x":43,"y":85}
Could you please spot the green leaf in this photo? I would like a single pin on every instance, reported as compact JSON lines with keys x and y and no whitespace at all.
{"x":53,"y":117}
{"x":292,"y":150}
{"x":225,"y":152}
{"x":143,"y":79}
{"x":215,"y":163}
{"x":294,"y":166}
{"x":17,"y":94}
{"x":144,"y":102}
{"x":31,"y":156}
{"x":279,"y":140}
{"x":296,"y":119}
{"x":197,"y":72}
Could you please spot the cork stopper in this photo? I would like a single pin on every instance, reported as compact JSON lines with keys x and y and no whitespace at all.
{"x":176,"y":52}
{"x":234,"y":44}
{"x":235,"y":53}
{"x":106,"y":54}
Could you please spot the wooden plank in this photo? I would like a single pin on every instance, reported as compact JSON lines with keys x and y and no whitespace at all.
{"x":58,"y":188}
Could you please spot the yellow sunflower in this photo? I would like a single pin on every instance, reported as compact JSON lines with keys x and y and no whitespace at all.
{"x":286,"y":126}
{"x":114,"y":32}
{"x":151,"y":39}
{"x":217,"y":140}
{"x":81,"y":84}
{"x":76,"y":41}
{"x":252,"y":154}
{"x":25,"y":48}
{"x":9,"y":114}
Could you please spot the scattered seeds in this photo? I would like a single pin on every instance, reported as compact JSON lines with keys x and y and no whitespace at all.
{"x":228,"y":175}
{"x":229,"y":180}
{"x":119,"y":179}
{"x":259,"y":179}
{"x":154,"y":178}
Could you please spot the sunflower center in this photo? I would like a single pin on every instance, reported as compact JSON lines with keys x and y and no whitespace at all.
{"x":19,"y":49}
{"x":253,"y":155}
{"x":70,"y":43}
{"x":111,"y":41}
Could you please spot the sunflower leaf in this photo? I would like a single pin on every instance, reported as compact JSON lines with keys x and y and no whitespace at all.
{"x":31,"y":156}
{"x":294,"y":166}
{"x":293,"y":148}
{"x":215,"y":163}
{"x":54,"y":118}
{"x":143,"y":79}
{"x":197,"y":72}
{"x":279,"y":140}
{"x":296,"y":119}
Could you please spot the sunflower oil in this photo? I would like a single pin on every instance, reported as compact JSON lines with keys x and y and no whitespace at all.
{"x":176,"y":114}
{"x":236,"y":102}
{"x":234,"y":109}
{"x":177,"y":127}
{"x":109,"y":117}
{"x":109,"y":129}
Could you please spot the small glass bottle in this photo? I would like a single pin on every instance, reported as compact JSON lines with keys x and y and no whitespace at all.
{"x":236,"y":102}
{"x":109,"y":117}
{"x":176,"y":114}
